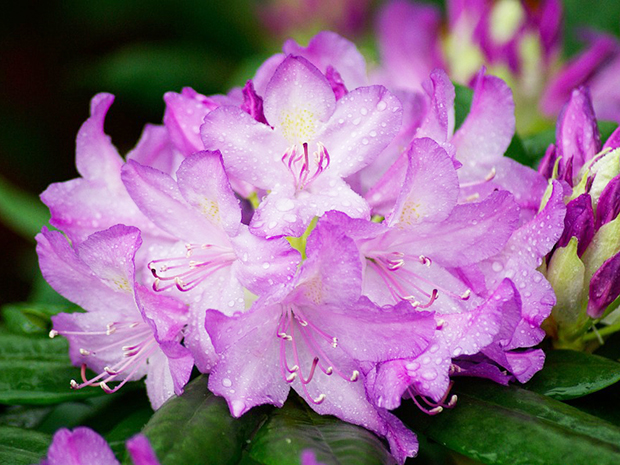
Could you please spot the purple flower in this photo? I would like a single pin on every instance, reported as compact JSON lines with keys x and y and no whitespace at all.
{"x":597,"y":67}
{"x":513,"y":39}
{"x":83,"y":446}
{"x":314,"y":142}
{"x":319,"y":337}
{"x":477,"y":148}
{"x":127,"y":331}
{"x":216,"y":258}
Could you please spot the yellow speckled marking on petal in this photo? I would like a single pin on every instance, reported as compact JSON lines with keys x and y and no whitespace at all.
{"x":210,"y":209}
{"x":298,"y":125}
{"x":409,"y":214}
{"x":314,"y":290}
{"x":121,"y":284}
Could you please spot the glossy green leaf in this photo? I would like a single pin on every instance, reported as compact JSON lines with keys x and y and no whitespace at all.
{"x":197,"y":428}
{"x":35,"y":370}
{"x":22,"y":447}
{"x":510,"y":425}
{"x":296,"y":427}
{"x":31,"y":318}
{"x":568,"y":374}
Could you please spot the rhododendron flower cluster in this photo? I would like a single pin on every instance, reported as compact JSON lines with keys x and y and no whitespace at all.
{"x":308,"y":231}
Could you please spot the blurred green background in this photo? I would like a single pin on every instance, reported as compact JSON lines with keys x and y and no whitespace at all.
{"x":55,"y":55}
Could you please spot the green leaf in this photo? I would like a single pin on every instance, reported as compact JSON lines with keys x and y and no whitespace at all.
{"x":569,"y":374}
{"x":510,"y":425}
{"x":462,"y":103}
{"x":37,"y":371}
{"x":296,"y":427}
{"x":517,"y":152}
{"x":126,"y":428}
{"x":32,"y":318}
{"x":21,"y":211}
{"x":197,"y":428}
{"x":536,"y":145}
{"x":21,"y":446}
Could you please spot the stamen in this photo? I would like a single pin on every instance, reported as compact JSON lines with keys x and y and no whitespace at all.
{"x":186,"y":274}
{"x":302,"y":168}
{"x":425,"y":260}
{"x":354,"y":376}
{"x":489,"y":177}
{"x":53,"y":333}
{"x":84,"y":352}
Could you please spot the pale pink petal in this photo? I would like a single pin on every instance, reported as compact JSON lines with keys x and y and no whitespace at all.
{"x":158,"y":196}
{"x":488,"y":129}
{"x":205,"y":186}
{"x":251,"y":150}
{"x":430,"y":189}
{"x":298,"y":99}
{"x":183,"y":118}
{"x":155,"y":149}
{"x":330,"y":49}
{"x":364,"y":123}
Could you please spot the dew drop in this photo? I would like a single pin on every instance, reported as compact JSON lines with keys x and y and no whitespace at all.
{"x":226,"y":382}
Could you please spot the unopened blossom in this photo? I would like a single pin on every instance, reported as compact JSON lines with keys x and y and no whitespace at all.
{"x":309,"y":144}
{"x":318,"y":336}
{"x":516,"y":40}
{"x":215,"y":259}
{"x":584,"y":268}
{"x":127,"y":331}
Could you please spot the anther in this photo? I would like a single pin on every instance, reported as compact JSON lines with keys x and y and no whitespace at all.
{"x":334,"y":342}
{"x":109,"y":371}
{"x":440,"y":323}
{"x":329,"y":371}
{"x":53,"y":333}
{"x":354,"y":376}
{"x":105,"y":387}
{"x":290,"y":378}
{"x":111,"y":329}
{"x":465,"y":295}
{"x":74,"y":385}
{"x":436,"y":410}
{"x":425,"y":260}
{"x":84,"y":352}
{"x":491,"y":174}
{"x":453,"y":400}
{"x":319,"y":399}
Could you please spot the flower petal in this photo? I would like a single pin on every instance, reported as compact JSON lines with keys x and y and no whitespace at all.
{"x":251,"y":150}
{"x":205,"y":186}
{"x":330,"y":49}
{"x":297,"y":99}
{"x":431,"y":187}
{"x":82,"y":445}
{"x":159,"y":197}
{"x":363,"y":124}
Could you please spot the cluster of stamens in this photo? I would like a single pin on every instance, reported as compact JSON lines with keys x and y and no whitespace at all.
{"x":403,"y":283}
{"x":291,"y":327}
{"x":136,"y":343}
{"x":187,"y":272}
{"x":302,"y":167}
